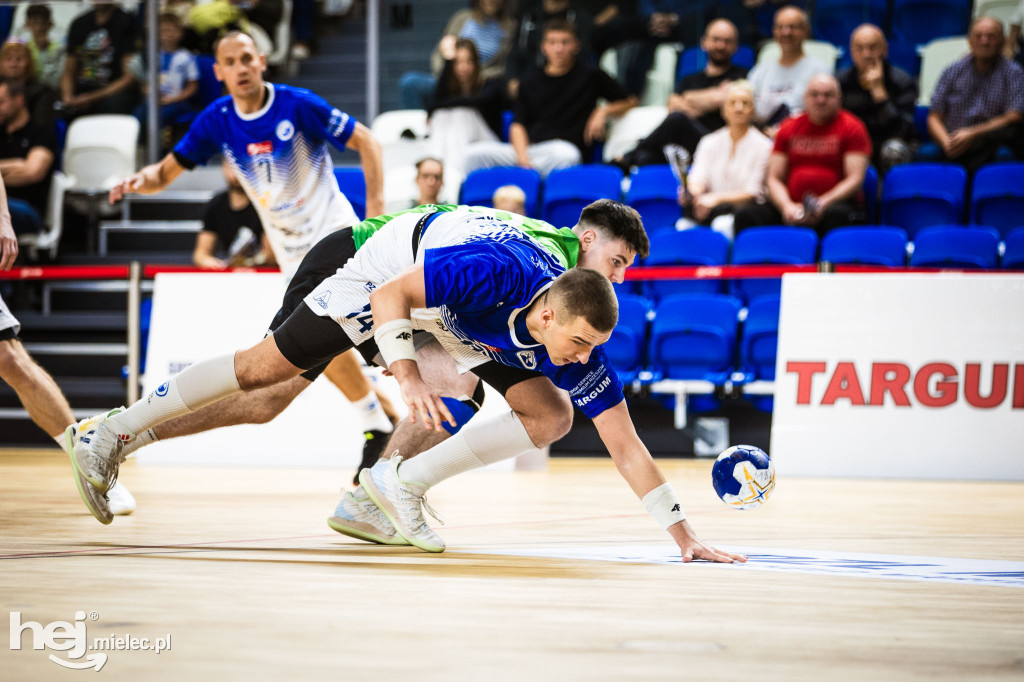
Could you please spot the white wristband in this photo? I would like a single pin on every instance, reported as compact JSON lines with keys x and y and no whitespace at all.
{"x":663,"y":505}
{"x":394,"y":340}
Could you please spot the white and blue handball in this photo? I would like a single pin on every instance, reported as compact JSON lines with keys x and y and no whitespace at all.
{"x":743,"y":476}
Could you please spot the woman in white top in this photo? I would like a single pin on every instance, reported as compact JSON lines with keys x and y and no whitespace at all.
{"x":729,"y":164}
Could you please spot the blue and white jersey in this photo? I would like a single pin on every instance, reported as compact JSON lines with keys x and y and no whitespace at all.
{"x":281,"y":158}
{"x":482,"y":272}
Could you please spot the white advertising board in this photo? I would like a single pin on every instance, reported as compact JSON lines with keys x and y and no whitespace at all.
{"x":198,"y":316}
{"x":901,"y":376}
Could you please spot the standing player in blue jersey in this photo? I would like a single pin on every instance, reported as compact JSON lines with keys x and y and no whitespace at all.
{"x":275,"y":139}
{"x":499,"y":303}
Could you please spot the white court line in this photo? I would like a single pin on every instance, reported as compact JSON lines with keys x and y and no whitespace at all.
{"x":816,"y":562}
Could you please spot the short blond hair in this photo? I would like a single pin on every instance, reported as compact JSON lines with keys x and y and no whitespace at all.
{"x":509,"y":193}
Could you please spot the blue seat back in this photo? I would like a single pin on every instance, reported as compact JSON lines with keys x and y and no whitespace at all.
{"x":694,"y":336}
{"x":997,"y":196}
{"x":779,"y":244}
{"x":1013,"y":254}
{"x":696,"y":246}
{"x":956,"y":246}
{"x":568,"y":190}
{"x":479,"y":186}
{"x":920,"y":21}
{"x":353,"y":186}
{"x":834,"y":20}
{"x":654,"y":193}
{"x":761,"y":337}
{"x":209,"y":87}
{"x":921,"y":194}
{"x":869,"y":245}
{"x":628,"y":343}
{"x":694,"y":59}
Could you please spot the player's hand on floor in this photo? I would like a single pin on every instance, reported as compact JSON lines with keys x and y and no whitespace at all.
{"x":692,"y":548}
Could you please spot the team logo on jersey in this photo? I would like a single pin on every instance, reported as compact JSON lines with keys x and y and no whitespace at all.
{"x":527,"y":358}
{"x":257,"y":148}
{"x":285,"y":130}
{"x":322,"y":299}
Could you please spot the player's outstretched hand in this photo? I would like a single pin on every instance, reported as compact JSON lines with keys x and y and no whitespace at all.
{"x":425,"y":405}
{"x":692,"y":548}
{"x":126,"y":186}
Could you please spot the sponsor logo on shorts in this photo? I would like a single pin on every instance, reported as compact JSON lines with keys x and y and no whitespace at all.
{"x":528,"y":359}
{"x":322,"y":299}
{"x":161,"y":390}
{"x":257,"y":148}
{"x":285,"y":130}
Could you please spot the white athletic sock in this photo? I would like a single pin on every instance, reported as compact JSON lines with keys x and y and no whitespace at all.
{"x":194,"y":387}
{"x":372,"y":413}
{"x":140,"y":441}
{"x":479,"y":443}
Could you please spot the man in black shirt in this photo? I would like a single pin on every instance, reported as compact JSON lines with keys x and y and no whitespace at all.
{"x":526,"y":54}
{"x":232,"y":228}
{"x":694,"y":109}
{"x":882,"y":96}
{"x":557,"y":118}
{"x":97,"y":78}
{"x":27,"y":151}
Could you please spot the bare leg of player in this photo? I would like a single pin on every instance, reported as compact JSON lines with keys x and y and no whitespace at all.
{"x":36,"y":390}
{"x":346,"y":372}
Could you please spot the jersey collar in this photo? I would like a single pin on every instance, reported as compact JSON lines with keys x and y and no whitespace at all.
{"x":517,"y":329}
{"x":256,"y":114}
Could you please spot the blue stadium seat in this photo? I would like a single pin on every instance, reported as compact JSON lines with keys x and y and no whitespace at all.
{"x":920,"y":21}
{"x":956,"y":246}
{"x":917,"y":195}
{"x":628,"y":344}
{"x":696,"y":246}
{"x":870,"y":188}
{"x":353,"y":186}
{"x":905,"y":56}
{"x":871,"y":245}
{"x":654,"y":193}
{"x":761,"y":337}
{"x":997,"y":196}
{"x":568,"y":190}
{"x":781,"y":244}
{"x":478,"y":187}
{"x":1013,"y":255}
{"x":834,"y":20}
{"x":694,"y":59}
{"x":209,"y":87}
{"x":694,"y":336}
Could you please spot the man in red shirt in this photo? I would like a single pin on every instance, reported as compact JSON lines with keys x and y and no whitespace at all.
{"x":816,"y":170}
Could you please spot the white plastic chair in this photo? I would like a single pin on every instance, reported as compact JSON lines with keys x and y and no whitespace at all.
{"x":819,"y":49}
{"x":61,"y":13}
{"x":661,"y":79}
{"x":936,"y":56}
{"x":49,"y":239}
{"x":99,"y":151}
{"x":1003,"y":10}
{"x":388,"y":126}
{"x":634,"y":126}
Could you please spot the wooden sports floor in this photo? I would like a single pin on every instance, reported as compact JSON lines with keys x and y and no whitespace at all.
{"x":549,"y":575}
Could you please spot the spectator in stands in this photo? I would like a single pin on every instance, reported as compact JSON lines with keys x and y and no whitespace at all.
{"x":779,"y":85}
{"x":978,"y":102}
{"x":662,"y":21}
{"x":27,"y":151}
{"x":210,"y":20}
{"x":179,"y":76}
{"x":232,"y":228}
{"x":881,"y":95}
{"x":695,"y":108}
{"x":465,"y":108}
{"x":488,"y":24}
{"x":429,"y":180}
{"x":728,"y":169}
{"x":614,"y":22}
{"x":1015,"y":41}
{"x":816,"y":170}
{"x":509,"y":198}
{"x":527,"y":53}
{"x":97,"y":76}
{"x":302,"y":29}
{"x":47,"y":53}
{"x":557,"y":117}
{"x":17,"y":63}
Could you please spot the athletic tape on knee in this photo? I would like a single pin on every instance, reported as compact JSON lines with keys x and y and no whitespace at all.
{"x":207,"y":381}
{"x":462,"y":411}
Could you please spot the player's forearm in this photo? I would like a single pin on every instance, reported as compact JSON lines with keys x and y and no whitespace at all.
{"x":371,"y":158}
{"x":631,"y":457}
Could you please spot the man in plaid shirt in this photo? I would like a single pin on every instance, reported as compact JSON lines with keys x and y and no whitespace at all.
{"x":978,"y":104}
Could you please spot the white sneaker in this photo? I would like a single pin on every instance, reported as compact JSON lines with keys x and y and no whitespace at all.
{"x":95,"y":501}
{"x":402,"y":502}
{"x":120,"y":500}
{"x":358,"y":517}
{"x":97,"y":449}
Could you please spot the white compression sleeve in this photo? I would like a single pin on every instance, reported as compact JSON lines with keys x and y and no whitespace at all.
{"x":194,"y":387}
{"x":479,"y":443}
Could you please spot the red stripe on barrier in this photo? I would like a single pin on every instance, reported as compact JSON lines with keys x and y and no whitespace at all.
{"x":67,"y":272}
{"x":151,"y":271}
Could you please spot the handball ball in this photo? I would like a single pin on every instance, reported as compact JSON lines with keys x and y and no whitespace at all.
{"x":743,"y":476}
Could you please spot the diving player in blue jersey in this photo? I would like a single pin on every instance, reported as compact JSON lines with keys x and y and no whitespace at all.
{"x":275,"y":138}
{"x":490,"y":275}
